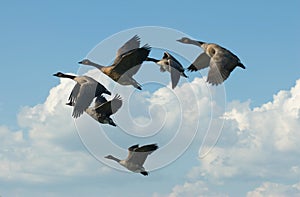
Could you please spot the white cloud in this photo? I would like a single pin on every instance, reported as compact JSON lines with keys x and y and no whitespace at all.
{"x":192,"y":189}
{"x":259,"y":143}
{"x":170,"y":118}
{"x":269,"y":189}
{"x":46,"y":148}
{"x":256,"y":144}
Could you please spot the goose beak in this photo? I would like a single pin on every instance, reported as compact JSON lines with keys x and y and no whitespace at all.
{"x":180,"y":40}
{"x":80,"y":62}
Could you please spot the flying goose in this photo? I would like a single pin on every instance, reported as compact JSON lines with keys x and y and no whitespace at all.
{"x":171,"y":64}
{"x":220,"y":60}
{"x":83,"y":93}
{"x":136,"y":158}
{"x":103,"y":109}
{"x":126,"y":64}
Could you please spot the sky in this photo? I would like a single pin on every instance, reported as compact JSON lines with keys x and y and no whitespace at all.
{"x":237,"y":139}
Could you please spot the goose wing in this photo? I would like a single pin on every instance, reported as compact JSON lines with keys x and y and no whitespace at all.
{"x":101,"y":89}
{"x":130,"y":151}
{"x":230,"y":60}
{"x":217,"y":73}
{"x":221,"y":65}
{"x":74,"y":94}
{"x":173,"y":62}
{"x":133,"y":70}
{"x":229,"y":54}
{"x":202,"y":61}
{"x":175,"y":68}
{"x":131,"y":44}
{"x":175,"y":74}
{"x":84,"y":98}
{"x":138,"y":155}
{"x":99,"y":101}
{"x":110,"y":107}
{"x":131,"y":59}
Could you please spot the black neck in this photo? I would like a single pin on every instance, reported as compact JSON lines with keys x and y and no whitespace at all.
{"x":152,"y":59}
{"x":115,"y":159}
{"x":66,"y":76}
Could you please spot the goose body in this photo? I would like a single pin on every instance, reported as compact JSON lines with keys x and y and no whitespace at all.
{"x":220,"y":60}
{"x":103,"y":109}
{"x":126,"y":64}
{"x":83,"y":93}
{"x":172,"y":65}
{"x":136,"y":158}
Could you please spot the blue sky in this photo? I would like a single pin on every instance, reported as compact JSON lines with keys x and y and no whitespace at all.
{"x":41,"y":38}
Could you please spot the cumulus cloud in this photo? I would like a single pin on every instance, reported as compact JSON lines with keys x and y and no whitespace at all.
{"x":258,"y":144}
{"x":46,"y":147}
{"x":49,"y":145}
{"x":171,"y":118}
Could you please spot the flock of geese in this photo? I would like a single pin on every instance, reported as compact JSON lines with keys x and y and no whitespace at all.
{"x":129,"y":58}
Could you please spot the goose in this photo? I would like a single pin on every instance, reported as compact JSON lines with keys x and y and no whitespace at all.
{"x":126,"y":64}
{"x":171,"y":64}
{"x":103,"y":109}
{"x":136,"y":158}
{"x":83,"y":93}
{"x":220,"y":60}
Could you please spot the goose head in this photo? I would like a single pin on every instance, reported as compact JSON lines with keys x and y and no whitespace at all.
{"x":85,"y":62}
{"x":59,"y":74}
{"x":164,"y":60}
{"x":186,"y":40}
{"x":109,"y":157}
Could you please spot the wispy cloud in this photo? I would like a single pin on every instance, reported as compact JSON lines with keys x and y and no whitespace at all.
{"x":268,"y":189}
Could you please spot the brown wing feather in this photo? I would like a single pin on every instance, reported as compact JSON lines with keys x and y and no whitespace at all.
{"x":130,"y":151}
{"x":140,"y":154}
{"x":110,"y":107}
{"x":131,"y":44}
{"x":202,"y":61}
{"x":131,"y":59}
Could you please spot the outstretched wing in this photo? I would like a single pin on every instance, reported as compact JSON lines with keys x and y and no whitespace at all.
{"x":110,"y":107}
{"x":139,"y":154}
{"x":99,"y":101}
{"x":202,"y":61}
{"x":130,"y":151}
{"x":131,"y":44}
{"x":74,"y":94}
{"x":84,"y":98}
{"x":217,"y":73}
{"x":131,"y":59}
{"x":133,"y":70}
{"x":175,"y":75}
